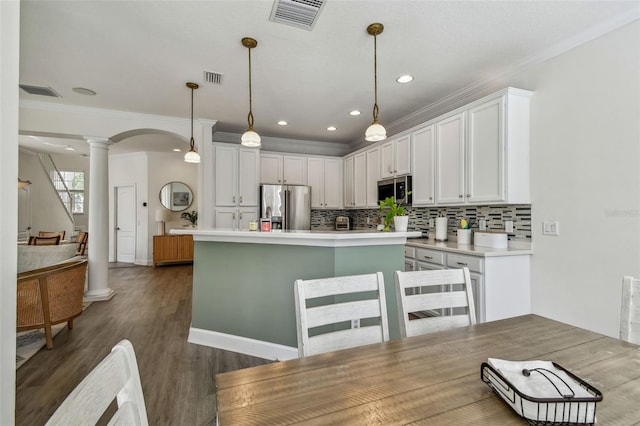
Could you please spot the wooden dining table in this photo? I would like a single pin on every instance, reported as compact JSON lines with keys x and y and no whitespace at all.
{"x":431,"y":379}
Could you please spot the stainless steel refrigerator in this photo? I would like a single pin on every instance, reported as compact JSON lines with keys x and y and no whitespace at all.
{"x":288,"y":206}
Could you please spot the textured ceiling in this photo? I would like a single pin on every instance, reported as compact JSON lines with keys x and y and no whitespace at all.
{"x":138,"y":55}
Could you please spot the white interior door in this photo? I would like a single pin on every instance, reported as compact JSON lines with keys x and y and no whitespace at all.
{"x":125,"y":224}
{"x":24,"y":213}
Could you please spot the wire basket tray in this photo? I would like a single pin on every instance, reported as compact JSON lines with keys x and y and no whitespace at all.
{"x":562,"y":410}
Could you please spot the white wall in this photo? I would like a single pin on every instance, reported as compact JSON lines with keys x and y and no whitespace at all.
{"x":148,"y":172}
{"x":9,"y":60}
{"x":585,"y":173}
{"x":130,"y":170}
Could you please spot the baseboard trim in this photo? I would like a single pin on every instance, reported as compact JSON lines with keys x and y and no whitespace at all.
{"x":243,"y":345}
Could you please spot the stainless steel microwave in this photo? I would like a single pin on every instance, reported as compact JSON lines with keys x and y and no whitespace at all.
{"x":399,"y":188}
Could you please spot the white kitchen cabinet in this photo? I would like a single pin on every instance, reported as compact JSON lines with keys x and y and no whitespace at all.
{"x":373,"y":176}
{"x":424,"y":166}
{"x":500,"y":283}
{"x":324,"y":178}
{"x":395,"y":157}
{"x":349,"y":201}
{"x":236,"y":176}
{"x":235,"y":218}
{"x":450,"y":146}
{"x":283,"y":169}
{"x":360,"y":180}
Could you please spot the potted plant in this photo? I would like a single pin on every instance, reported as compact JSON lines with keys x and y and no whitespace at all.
{"x":191,"y":217}
{"x":395,"y":214}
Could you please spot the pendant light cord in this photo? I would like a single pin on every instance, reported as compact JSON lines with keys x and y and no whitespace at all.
{"x":375,"y":77}
{"x":250,"y":116}
{"x":192,"y":142}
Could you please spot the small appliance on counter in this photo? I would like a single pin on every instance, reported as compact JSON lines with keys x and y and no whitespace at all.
{"x":343,"y":223}
{"x":441,"y":228}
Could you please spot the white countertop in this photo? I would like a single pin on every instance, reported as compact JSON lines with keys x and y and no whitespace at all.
{"x":514,"y":249}
{"x":300,"y":238}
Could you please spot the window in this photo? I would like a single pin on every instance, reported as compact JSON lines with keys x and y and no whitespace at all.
{"x":74,"y":182}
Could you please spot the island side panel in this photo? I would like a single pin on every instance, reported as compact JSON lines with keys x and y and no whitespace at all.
{"x":370,"y":259}
{"x":246,"y":289}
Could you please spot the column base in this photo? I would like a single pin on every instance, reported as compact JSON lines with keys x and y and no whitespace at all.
{"x":99,"y":297}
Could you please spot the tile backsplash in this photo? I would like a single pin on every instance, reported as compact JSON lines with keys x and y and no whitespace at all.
{"x":495,"y":215}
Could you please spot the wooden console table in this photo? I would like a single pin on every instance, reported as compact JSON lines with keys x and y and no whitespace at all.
{"x":172,"y":249}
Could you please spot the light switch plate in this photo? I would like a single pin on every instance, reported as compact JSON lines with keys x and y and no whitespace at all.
{"x":550,"y":227}
{"x":431,"y":224}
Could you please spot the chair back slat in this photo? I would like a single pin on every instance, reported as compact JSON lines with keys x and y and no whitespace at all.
{"x":329,"y":306}
{"x":430,"y":301}
{"x":115,"y":377}
{"x":630,"y":312}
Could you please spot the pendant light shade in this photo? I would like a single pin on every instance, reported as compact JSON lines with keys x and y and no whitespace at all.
{"x":375,"y":132}
{"x":250,"y":138}
{"x":192,"y":156}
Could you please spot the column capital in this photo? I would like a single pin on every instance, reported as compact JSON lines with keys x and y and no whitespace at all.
{"x":97,"y":140}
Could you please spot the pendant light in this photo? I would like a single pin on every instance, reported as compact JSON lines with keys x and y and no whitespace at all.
{"x":375,"y":132}
{"x":250,"y":138}
{"x":192,"y":156}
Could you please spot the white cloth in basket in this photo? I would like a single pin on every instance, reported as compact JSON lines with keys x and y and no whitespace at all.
{"x":540,"y":384}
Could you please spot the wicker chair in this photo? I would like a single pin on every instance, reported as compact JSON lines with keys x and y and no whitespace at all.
{"x":49,"y":296}
{"x":44,"y":241}
{"x":51,"y":234}
{"x":82,"y":239}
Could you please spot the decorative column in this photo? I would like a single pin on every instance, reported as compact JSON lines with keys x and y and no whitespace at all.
{"x":98,"y":221}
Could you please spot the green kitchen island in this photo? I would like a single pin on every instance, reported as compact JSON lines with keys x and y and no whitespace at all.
{"x":243,"y":298}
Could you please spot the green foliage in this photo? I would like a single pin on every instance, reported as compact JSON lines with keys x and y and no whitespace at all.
{"x":191,"y":217}
{"x":395,"y":209}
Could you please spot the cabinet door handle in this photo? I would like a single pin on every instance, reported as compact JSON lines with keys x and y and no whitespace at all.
{"x":285,"y":181}
{"x":468,"y":195}
{"x":431,"y":198}
{"x":460,"y":196}
{"x":240,"y":215}
{"x":241,"y":198}
{"x":461,"y":263}
{"x":233,"y":199}
{"x":428,"y":257}
{"x":234,"y":216}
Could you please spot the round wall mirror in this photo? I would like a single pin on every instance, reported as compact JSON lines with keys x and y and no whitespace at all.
{"x":176,"y":196}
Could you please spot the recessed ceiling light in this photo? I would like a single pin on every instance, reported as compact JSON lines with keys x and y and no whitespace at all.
{"x":177,"y":150}
{"x":331,"y":128}
{"x":84,"y":91}
{"x":282,"y":123}
{"x":405,"y":78}
{"x":69,"y":148}
{"x":354,"y":112}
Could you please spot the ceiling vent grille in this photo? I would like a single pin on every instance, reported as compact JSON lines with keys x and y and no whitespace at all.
{"x":298,"y":13}
{"x":212,"y":77}
{"x":40,"y":90}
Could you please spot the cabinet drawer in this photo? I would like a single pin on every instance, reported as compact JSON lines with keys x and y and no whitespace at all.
{"x":409,"y":264}
{"x":460,"y":261}
{"x":431,"y":256}
{"x":409,"y":252}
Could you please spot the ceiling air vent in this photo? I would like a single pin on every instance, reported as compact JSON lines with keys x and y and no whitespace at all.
{"x":212,"y":77}
{"x":40,"y":90}
{"x":298,"y":13}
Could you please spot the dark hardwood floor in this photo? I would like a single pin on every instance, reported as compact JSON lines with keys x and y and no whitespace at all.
{"x":151,"y":308}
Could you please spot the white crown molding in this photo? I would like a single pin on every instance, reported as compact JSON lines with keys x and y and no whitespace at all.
{"x":495,"y":82}
{"x":294,"y":146}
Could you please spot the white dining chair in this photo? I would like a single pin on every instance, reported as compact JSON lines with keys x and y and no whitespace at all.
{"x":434,"y":300}
{"x":116,"y":376}
{"x":630,"y":313}
{"x":340,"y":312}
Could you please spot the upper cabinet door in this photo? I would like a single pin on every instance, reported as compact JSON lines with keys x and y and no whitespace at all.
{"x":249,"y":163}
{"x":373,"y":176}
{"x":348,"y":182}
{"x":294,"y":170}
{"x":450,"y":142}
{"x":315,"y":179}
{"x":271,"y":169}
{"x":226,"y":175}
{"x":424,"y":163}
{"x":360,"y":180}
{"x":332,"y":183}
{"x":402,"y":155}
{"x":387,"y":161}
{"x":486,"y":153}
